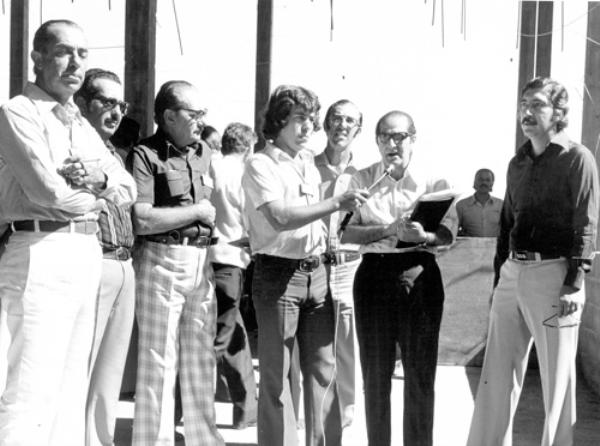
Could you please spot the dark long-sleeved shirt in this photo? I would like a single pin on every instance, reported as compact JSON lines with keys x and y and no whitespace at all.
{"x":551,"y":205}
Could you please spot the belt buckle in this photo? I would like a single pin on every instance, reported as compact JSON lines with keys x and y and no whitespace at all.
{"x":122,"y":253}
{"x":520,"y":255}
{"x":308,"y":264}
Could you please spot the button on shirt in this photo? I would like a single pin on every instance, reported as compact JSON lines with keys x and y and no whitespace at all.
{"x":551,"y":204}
{"x":334,"y":181}
{"x":37,"y":134}
{"x":392,"y":199}
{"x":228,"y":199}
{"x":115,"y":221}
{"x":479,"y":220}
{"x":273,"y":175}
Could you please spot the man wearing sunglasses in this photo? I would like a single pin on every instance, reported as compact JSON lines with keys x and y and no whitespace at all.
{"x":100,"y":100}
{"x":176,"y":307}
{"x":546,"y":245}
{"x":398,"y":292}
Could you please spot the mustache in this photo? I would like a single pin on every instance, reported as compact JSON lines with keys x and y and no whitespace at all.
{"x":528,"y":120}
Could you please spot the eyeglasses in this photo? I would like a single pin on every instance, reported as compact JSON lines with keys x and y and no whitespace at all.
{"x":111,"y":103}
{"x":535,"y":106}
{"x":554,"y":322}
{"x":195,"y":115}
{"x":398,"y":137}
{"x":340,"y":119}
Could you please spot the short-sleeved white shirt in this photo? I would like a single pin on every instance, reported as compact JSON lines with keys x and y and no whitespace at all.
{"x":273,"y":175}
{"x":392,"y":199}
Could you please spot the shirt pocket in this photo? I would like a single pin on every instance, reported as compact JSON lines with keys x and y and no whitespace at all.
{"x":202,"y":184}
{"x":174,"y":180}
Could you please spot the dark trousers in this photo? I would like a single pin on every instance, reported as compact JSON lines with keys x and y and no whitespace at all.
{"x":234,"y":359}
{"x":294,"y":306}
{"x":398,"y":298}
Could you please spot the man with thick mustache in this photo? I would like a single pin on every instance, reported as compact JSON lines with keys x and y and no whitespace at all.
{"x":342,"y":124}
{"x":398,"y":292}
{"x":176,"y":308}
{"x":546,"y":245}
{"x":55,"y":174}
{"x":100,"y":100}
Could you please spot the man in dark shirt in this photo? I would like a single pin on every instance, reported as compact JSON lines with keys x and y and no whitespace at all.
{"x":175,"y":297}
{"x":100,"y":100}
{"x":546,"y":244}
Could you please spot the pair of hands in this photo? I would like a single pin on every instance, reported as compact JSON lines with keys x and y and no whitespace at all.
{"x":83,"y":173}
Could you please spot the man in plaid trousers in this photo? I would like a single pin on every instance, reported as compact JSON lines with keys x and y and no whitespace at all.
{"x":175,"y":299}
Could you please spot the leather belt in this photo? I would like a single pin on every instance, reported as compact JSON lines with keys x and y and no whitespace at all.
{"x":120,"y":253}
{"x":531,"y":256}
{"x":310,"y":263}
{"x":340,"y":257}
{"x":202,"y":241}
{"x":88,"y":227}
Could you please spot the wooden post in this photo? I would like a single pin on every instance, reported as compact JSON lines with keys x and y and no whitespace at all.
{"x":19,"y":46}
{"x":590,"y":130}
{"x":264,"y":31}
{"x":140,"y":59}
{"x":535,"y":54}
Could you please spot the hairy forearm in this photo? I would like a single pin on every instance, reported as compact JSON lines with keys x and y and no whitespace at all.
{"x":363,"y":235}
{"x":154,"y":220}
{"x":286,"y":218}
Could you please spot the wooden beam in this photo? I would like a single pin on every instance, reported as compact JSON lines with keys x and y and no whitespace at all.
{"x":264,"y":32}
{"x":590,"y":129}
{"x":140,"y":59}
{"x":19,"y":46}
{"x":535,"y":54}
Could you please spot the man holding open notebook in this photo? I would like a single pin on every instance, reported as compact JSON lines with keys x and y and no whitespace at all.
{"x":398,"y":290}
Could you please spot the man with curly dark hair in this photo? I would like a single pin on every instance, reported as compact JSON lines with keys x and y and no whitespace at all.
{"x":290,"y":292}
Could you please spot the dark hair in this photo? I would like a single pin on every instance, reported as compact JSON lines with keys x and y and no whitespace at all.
{"x":166,"y":98}
{"x":556,"y":93}
{"x":88,"y":90}
{"x":207,"y":131}
{"x":43,"y":36}
{"x":237,"y":138}
{"x":411,"y":128}
{"x":485,"y":169}
{"x":332,"y":109}
{"x":280,"y":104}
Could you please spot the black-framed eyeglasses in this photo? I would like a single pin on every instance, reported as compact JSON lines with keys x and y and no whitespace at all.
{"x":111,"y":103}
{"x":195,"y":115}
{"x":397,"y":137}
{"x":341,"y":119}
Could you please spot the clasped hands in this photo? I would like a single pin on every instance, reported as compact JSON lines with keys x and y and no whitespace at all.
{"x":83,"y":173}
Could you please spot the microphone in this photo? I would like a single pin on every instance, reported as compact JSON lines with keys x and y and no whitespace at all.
{"x":389,"y":169}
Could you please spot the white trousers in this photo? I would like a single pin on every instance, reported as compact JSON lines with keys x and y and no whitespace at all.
{"x":48,"y":287}
{"x":341,"y":281}
{"x":527,"y":294}
{"x":114,"y":322}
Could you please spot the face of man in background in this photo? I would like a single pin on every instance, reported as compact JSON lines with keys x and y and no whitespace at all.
{"x":343,"y":126}
{"x":106,"y":108}
{"x":395,"y":142}
{"x":60,"y":67}
{"x":214,"y":141}
{"x":484,"y":182}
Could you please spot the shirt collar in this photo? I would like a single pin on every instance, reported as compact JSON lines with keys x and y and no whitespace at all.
{"x":474,"y":201}
{"x":47,"y":103}
{"x":561,"y":139}
{"x":279,"y":155}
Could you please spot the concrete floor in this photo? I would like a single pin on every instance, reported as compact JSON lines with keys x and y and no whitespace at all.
{"x":455,"y":389}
